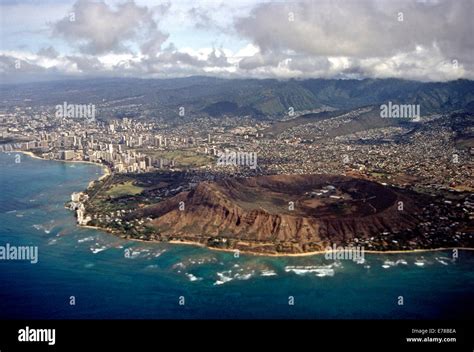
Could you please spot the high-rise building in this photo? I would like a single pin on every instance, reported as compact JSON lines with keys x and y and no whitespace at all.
{"x":66,"y":154}
{"x":157,"y":141}
{"x":148,"y":161}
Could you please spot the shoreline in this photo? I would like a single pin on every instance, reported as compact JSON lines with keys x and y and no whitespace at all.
{"x":260,"y":254}
{"x":307,"y":254}
{"x":107,"y":172}
{"x":105,"y":168}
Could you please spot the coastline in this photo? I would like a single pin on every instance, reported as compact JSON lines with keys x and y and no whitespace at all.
{"x":107,"y":172}
{"x":307,"y":254}
{"x":104,"y":167}
{"x":260,"y":254}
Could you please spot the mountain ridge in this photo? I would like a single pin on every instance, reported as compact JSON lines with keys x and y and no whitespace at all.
{"x":260,"y":98}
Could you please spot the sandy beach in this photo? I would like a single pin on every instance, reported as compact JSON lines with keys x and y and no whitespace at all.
{"x":105,"y":168}
{"x":306,"y":254}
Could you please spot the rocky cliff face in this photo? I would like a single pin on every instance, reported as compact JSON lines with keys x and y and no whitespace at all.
{"x":293,"y":213}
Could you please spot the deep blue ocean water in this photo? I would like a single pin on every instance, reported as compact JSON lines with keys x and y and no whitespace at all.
{"x":91,"y":266}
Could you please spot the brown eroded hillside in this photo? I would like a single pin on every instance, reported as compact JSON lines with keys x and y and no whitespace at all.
{"x":257,"y":213}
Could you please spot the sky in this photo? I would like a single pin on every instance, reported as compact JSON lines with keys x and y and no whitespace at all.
{"x":429,"y":40}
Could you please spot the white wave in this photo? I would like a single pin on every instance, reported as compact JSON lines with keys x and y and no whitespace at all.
{"x":134,"y":254}
{"x":388,"y":263}
{"x":157,"y":254}
{"x":201,"y":261}
{"x":192,"y":277}
{"x":38,"y":227}
{"x":268,"y":273}
{"x":442,"y":260}
{"x":223,"y":278}
{"x":98,"y":249}
{"x":420,"y":261}
{"x":243,"y":276}
{"x":325,"y":272}
{"x":320,"y":271}
{"x":179,"y":265}
{"x":11,"y":212}
{"x":52,"y":241}
{"x":85,"y":239}
{"x":144,"y":253}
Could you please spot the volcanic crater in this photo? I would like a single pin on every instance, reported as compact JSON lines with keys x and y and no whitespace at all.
{"x":283,"y":213}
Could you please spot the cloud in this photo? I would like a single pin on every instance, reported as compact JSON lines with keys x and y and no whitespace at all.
{"x":260,"y":60}
{"x":10,"y":64}
{"x":98,"y":28}
{"x":429,"y":40}
{"x":48,"y":52}
{"x":360,"y":28}
{"x":201,"y":17}
{"x":86,"y":63}
{"x":405,"y":39}
{"x":172,"y":62}
{"x":153,"y":46}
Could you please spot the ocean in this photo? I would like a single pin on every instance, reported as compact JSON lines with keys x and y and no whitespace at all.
{"x":84,"y":273}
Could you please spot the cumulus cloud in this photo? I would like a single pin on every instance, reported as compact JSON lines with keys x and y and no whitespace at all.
{"x":259,"y":60}
{"x":48,"y":52}
{"x":15,"y":69}
{"x":169,"y":62}
{"x":365,"y":32}
{"x":202,"y":19}
{"x":360,"y":28}
{"x":173,"y":62}
{"x":429,"y":40}
{"x":99,"y":28}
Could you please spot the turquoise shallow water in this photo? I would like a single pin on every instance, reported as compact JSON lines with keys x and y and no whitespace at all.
{"x":91,"y":266}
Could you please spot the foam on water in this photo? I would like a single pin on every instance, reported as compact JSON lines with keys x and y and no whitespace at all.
{"x":85,"y":239}
{"x":268,"y":273}
{"x":389,"y":263}
{"x":223,"y":277}
{"x":319,"y":271}
{"x":192,"y":277}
